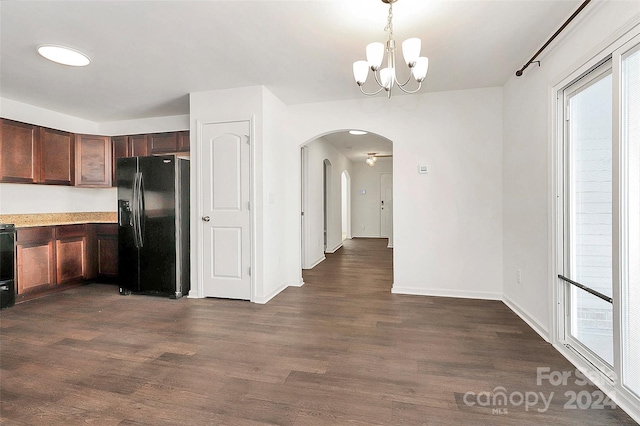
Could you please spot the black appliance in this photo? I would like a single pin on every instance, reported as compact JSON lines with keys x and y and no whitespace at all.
{"x":153,"y":231}
{"x":7,"y":265}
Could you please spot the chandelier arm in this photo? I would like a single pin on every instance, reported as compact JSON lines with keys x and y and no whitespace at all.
{"x":411,"y":91}
{"x":405,"y":83}
{"x":377,"y":78}
{"x":372,"y":93}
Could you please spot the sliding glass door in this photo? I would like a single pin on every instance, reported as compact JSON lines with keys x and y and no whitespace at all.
{"x":588,"y":214}
{"x":599,"y":216}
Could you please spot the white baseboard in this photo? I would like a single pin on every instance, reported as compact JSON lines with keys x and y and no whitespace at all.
{"x":446,"y":292}
{"x":528,"y":318}
{"x":316,"y":263}
{"x":335,"y":249}
{"x":264,"y":299}
{"x":298,"y":283}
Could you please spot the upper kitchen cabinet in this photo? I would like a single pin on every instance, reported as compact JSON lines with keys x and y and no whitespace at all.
{"x":120,"y":148}
{"x":184,"y":141}
{"x":93,"y":161}
{"x":19,"y":152}
{"x":57,"y":157}
{"x":139,"y":146}
{"x":162,"y":143}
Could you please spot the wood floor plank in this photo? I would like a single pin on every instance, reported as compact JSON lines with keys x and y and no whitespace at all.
{"x":342,"y":349}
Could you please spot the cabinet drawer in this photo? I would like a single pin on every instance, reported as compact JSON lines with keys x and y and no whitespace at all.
{"x":39,"y":233}
{"x":107,"y":229}
{"x":69,"y":231}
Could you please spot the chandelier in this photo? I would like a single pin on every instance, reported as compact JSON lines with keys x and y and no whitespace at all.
{"x":386,"y":77}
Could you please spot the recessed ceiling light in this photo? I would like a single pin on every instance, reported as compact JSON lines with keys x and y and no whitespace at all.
{"x":357,"y":132}
{"x":64,"y":55}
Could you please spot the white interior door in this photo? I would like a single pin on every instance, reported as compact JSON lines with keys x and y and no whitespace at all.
{"x":386,"y":205}
{"x":225,"y":217}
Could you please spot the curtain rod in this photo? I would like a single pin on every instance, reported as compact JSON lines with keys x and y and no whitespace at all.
{"x":532,"y":60}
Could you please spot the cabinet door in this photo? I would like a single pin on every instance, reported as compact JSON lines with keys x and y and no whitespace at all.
{"x":93,"y":161}
{"x":108,"y":256}
{"x":184,"y":141}
{"x":36,"y":265}
{"x":120,"y":148}
{"x":162,"y":143}
{"x":71,"y":261}
{"x":138,"y":146}
{"x":57,"y":165}
{"x":19,"y":152}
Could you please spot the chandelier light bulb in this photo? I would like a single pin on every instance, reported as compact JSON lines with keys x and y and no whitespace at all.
{"x":360,"y":72}
{"x":419,"y":70}
{"x":387,"y":77}
{"x":375,"y":53}
{"x":411,"y":51}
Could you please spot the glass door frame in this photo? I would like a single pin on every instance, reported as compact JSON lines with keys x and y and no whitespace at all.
{"x":609,"y":380}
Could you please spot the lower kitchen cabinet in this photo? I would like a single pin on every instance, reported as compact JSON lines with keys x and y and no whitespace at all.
{"x":71,"y":253}
{"x":36,"y":264}
{"x":49,"y":256}
{"x":107,"y":251}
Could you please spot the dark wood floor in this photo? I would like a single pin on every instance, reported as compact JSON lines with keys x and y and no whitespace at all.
{"x":340,"y":350}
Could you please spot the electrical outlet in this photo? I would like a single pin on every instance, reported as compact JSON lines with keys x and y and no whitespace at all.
{"x":519,"y":276}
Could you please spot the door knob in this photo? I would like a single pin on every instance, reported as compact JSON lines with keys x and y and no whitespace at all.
{"x":206,"y":218}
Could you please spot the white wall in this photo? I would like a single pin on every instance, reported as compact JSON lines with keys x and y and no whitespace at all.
{"x":527,"y":131}
{"x":318,"y":151}
{"x":365,"y":208}
{"x":447,"y":223}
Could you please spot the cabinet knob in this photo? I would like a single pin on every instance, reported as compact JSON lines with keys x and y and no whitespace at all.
{"x":206,"y":218}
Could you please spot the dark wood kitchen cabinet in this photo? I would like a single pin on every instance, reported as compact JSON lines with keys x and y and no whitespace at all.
{"x":161,"y":143}
{"x":19,"y":152}
{"x":93,"y":161}
{"x":139,"y":146}
{"x":71,"y":253}
{"x":36,"y":259}
{"x":107,"y":251}
{"x":120,"y":149}
{"x":184,"y":141}
{"x":57,"y":157}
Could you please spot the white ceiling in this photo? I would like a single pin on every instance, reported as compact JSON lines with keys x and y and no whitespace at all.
{"x":148,"y":55}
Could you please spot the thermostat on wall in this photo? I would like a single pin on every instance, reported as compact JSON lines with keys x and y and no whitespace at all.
{"x":422,"y":168}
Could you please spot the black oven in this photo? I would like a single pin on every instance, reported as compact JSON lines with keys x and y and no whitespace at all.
{"x":7,"y":265}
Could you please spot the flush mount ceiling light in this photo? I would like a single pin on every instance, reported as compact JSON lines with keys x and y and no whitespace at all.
{"x":64,"y":55}
{"x":386,"y":77}
{"x":357,"y":132}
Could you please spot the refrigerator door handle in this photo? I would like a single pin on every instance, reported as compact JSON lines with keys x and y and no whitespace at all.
{"x":141,"y":212}
{"x":135,"y":210}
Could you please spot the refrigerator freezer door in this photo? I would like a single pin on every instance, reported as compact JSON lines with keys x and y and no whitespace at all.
{"x":128,"y":256}
{"x":157,"y":224}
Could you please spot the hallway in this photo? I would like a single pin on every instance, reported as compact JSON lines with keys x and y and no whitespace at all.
{"x":341,"y":349}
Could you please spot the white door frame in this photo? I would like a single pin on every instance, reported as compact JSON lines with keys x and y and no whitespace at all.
{"x":197,"y":261}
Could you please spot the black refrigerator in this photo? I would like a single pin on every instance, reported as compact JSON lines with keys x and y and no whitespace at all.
{"x":153,"y":231}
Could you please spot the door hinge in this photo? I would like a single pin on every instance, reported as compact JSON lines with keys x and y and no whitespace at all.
{"x":248,"y":139}
{"x":248,"y":205}
{"x":567,"y":111}
{"x":249,"y":270}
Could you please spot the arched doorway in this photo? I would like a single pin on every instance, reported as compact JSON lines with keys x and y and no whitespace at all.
{"x":340,"y":191}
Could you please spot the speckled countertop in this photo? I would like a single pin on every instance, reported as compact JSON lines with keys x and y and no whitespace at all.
{"x":48,"y":219}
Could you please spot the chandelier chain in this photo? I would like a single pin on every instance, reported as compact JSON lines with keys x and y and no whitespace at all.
{"x":389,"y":26}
